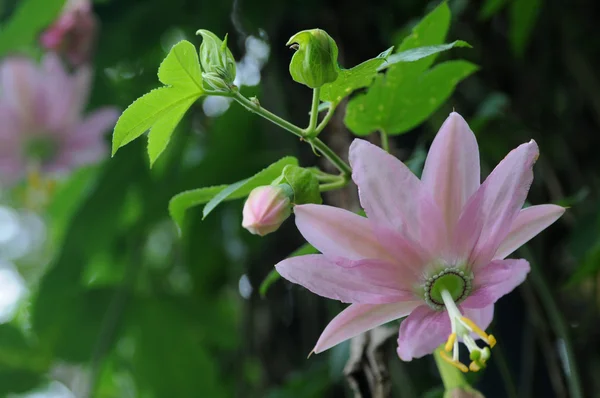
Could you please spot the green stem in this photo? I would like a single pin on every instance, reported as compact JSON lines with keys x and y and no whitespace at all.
{"x":385,"y":143}
{"x":332,"y":156}
{"x":273,"y":118}
{"x":326,"y":119}
{"x":314,"y":112}
{"x":558,"y":324}
{"x":451,"y":376}
{"x":332,"y":186}
{"x":316,"y":143}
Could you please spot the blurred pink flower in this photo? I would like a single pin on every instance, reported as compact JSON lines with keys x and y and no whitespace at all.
{"x":41,"y":111}
{"x":73,"y":34}
{"x":433,"y":249}
{"x":266,"y":208}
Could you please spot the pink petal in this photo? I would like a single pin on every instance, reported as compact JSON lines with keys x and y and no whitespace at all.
{"x":393,"y":196}
{"x":57,"y":91}
{"x":359,"y":318}
{"x":496,"y":279}
{"x":529,"y":222}
{"x":362,"y":281}
{"x":338,"y":233}
{"x":451,"y":170}
{"x":85,"y":143}
{"x":19,"y":81}
{"x":498,"y":201}
{"x":422,"y":332}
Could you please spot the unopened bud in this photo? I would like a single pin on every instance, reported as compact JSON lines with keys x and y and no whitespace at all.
{"x":74,"y":32}
{"x":266,"y":208}
{"x":215,"y":57}
{"x":315,"y":61}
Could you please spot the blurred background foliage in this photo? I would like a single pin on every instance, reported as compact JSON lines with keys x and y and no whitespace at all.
{"x":115,"y":304}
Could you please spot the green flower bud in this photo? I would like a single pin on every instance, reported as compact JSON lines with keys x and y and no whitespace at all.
{"x":315,"y":61}
{"x":215,"y":57}
{"x":303,"y":183}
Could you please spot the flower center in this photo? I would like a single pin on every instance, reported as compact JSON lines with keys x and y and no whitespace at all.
{"x":452,"y":280}
{"x":41,"y":149}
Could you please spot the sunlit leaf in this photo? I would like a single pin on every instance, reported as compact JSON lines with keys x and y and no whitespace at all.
{"x":24,"y":26}
{"x":161,"y":131}
{"x":181,"y":67}
{"x":352,"y":79}
{"x":274,"y":276}
{"x":161,"y":109}
{"x":421,"y":52}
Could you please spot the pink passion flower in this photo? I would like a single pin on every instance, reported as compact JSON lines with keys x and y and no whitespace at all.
{"x":432,"y":250}
{"x":43,"y":127}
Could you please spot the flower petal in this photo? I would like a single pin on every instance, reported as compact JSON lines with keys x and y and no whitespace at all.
{"x":422,"y":332}
{"x":496,"y":279}
{"x":451,"y":172}
{"x":19,"y":81}
{"x":393,"y":196}
{"x":498,"y":201}
{"x":338,"y":233}
{"x":362,"y":281}
{"x":529,"y":222}
{"x":358,"y":318}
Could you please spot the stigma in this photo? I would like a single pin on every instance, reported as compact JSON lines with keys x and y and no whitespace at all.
{"x":463,"y":328}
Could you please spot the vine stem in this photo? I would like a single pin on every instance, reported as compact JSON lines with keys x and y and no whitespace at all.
{"x":305,"y":134}
{"x":385,"y":143}
{"x":557,"y":322}
{"x":314,"y":112}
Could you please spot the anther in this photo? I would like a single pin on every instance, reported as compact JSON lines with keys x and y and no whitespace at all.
{"x":489,"y":339}
{"x":450,"y":342}
{"x":457,"y":364}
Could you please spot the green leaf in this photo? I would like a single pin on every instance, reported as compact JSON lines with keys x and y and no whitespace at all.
{"x":409,"y":91}
{"x":523,"y":15}
{"x":216,"y":194}
{"x":352,"y":79}
{"x":490,"y":8}
{"x":397,"y":108}
{"x":161,"y":131}
{"x":194,"y":197}
{"x":244,"y":187}
{"x":181,"y":67}
{"x":274,"y":276}
{"x":161,"y":109}
{"x":24,"y":26}
{"x":146,"y":111}
{"x":421,"y":52}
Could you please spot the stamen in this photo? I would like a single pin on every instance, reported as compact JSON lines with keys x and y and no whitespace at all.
{"x":462,"y":327}
{"x":489,"y":339}
{"x":450,"y":342}
{"x":457,"y":364}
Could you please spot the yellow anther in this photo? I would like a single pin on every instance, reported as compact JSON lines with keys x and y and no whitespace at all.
{"x":488,"y":339}
{"x":459,"y":365}
{"x":450,"y":342}
{"x":474,"y":367}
